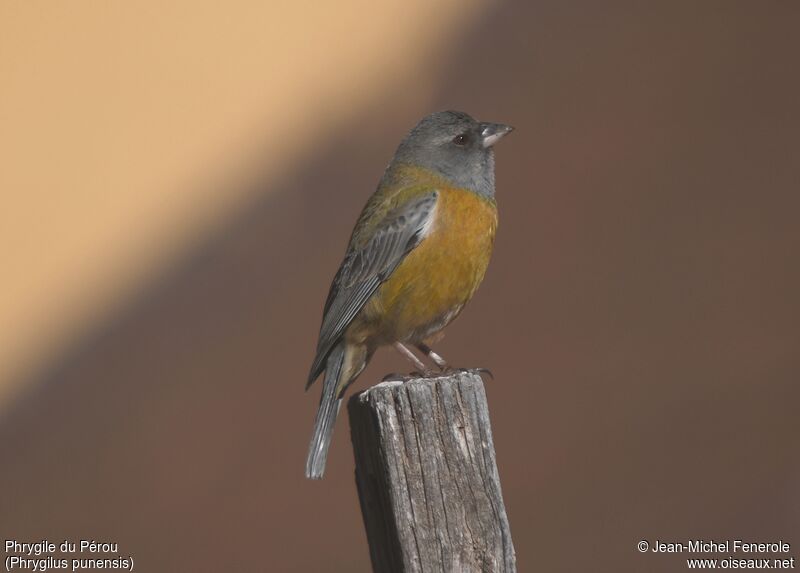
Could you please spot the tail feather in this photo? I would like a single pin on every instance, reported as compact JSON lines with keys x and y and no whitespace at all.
{"x":329,"y":406}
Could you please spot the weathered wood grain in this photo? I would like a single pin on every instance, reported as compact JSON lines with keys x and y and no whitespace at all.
{"x":427,"y":477}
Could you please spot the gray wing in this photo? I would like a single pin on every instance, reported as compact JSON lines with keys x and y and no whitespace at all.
{"x":364,"y":269}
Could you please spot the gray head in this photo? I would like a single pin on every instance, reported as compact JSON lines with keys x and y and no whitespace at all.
{"x":455,"y":146}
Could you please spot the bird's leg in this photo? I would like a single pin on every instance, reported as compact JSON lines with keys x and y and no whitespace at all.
{"x":401,"y":348}
{"x":438,"y":360}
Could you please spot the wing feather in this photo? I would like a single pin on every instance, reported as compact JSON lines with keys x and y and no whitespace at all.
{"x":365,"y":269}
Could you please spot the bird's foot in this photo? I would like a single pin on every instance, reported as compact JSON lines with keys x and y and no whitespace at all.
{"x":397,"y":377}
{"x":427,"y":373}
{"x":414,"y":375}
{"x":479,"y":371}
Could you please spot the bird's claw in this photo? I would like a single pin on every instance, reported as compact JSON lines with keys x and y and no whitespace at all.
{"x":478,"y":371}
{"x":486,"y":371}
{"x":396,"y":377}
{"x":426,"y":374}
{"x":413,"y":375}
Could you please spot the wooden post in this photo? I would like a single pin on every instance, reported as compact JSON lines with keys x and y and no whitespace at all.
{"x":427,"y":477}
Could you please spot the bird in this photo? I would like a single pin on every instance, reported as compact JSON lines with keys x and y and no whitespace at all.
{"x":417,"y":254}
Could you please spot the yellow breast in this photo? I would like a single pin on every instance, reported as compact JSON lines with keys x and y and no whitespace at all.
{"x":433,"y":283}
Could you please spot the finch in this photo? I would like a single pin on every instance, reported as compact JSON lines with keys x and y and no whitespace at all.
{"x":418,"y":252}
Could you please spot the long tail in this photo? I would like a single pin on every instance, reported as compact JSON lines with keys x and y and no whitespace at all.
{"x":326,"y":415}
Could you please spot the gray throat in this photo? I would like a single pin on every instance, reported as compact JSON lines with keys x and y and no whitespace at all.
{"x":477,"y":177}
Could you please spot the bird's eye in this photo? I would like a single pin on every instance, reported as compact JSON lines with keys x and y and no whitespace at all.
{"x":461,"y":139}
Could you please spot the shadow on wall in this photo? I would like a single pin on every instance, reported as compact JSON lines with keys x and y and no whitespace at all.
{"x":639,"y":316}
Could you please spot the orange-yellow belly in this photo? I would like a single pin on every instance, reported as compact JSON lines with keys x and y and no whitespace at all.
{"x":433,"y":283}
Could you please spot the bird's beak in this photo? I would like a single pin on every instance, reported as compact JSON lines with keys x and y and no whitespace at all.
{"x":491,"y":133}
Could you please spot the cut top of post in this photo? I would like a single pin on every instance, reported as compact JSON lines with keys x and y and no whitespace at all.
{"x":427,"y":476}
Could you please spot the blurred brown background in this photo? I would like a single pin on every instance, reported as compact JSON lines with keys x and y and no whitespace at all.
{"x":179,"y":183}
